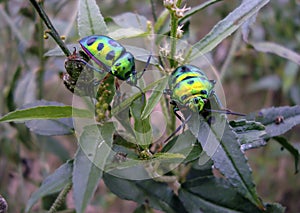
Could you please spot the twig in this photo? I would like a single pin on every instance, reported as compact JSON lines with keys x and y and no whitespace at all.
{"x":52,"y":31}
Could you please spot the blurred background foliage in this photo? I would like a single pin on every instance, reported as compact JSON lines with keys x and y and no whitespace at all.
{"x":252,"y":80}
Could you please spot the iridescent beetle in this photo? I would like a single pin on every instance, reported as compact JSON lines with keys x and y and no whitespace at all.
{"x":112,"y":57}
{"x":190,"y":88}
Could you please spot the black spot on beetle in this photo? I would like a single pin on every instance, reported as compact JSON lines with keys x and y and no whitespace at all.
{"x":113,"y":43}
{"x":203,"y":92}
{"x":196,"y":100}
{"x":189,"y":77}
{"x":191,"y":82}
{"x":110,"y":55}
{"x":117,"y":64}
{"x":91,"y":41}
{"x":185,"y":69}
{"x":100,"y":46}
{"x":127,"y":74}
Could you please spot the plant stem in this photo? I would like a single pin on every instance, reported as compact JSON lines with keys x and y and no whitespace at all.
{"x":173,"y":33}
{"x":174,"y":25}
{"x":153,"y":10}
{"x":60,"y":199}
{"x":41,"y":71}
{"x":52,"y":31}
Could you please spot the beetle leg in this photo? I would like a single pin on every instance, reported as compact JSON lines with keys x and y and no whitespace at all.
{"x":178,"y":128}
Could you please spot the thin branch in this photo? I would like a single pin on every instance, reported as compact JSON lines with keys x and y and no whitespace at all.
{"x":52,"y":31}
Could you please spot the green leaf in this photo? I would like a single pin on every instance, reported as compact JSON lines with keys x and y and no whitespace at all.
{"x":45,"y":112}
{"x":268,"y":117}
{"x":227,"y":26}
{"x":60,"y":126}
{"x":161,"y":28}
{"x":251,"y":134}
{"x":125,"y":33}
{"x":126,"y":103}
{"x":270,"y":82}
{"x":285,"y":144}
{"x":90,"y":20}
{"x":10,"y":95}
{"x":159,"y":24}
{"x":197,"y":171}
{"x":52,"y":184}
{"x":54,"y":146}
{"x":197,"y":8}
{"x":221,"y":144}
{"x":131,"y":20}
{"x":157,"y":195}
{"x":196,"y":196}
{"x":275,"y":208}
{"x":154,"y":98}
{"x":168,"y":155}
{"x":270,"y":47}
{"x":142,"y":127}
{"x":184,"y":144}
{"x":95,"y":145}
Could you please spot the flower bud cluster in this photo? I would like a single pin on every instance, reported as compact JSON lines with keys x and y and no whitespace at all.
{"x":172,"y":5}
{"x":102,"y":108}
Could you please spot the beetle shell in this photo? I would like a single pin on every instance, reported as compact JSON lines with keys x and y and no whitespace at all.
{"x":111,"y":56}
{"x":190,"y":86}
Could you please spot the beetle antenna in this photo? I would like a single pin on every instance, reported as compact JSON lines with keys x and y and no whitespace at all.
{"x":178,"y":128}
{"x":146,"y":66}
{"x":225,"y":111}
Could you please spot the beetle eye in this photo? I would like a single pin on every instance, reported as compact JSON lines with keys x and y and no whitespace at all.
{"x":196,"y":100}
{"x":203,"y":92}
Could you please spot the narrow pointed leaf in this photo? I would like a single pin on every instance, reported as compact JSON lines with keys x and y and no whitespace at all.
{"x":289,"y":117}
{"x":90,"y":19}
{"x":198,"y":8}
{"x":277,"y":49}
{"x":157,"y":195}
{"x":95,"y":145}
{"x":44,"y":112}
{"x":221,"y":144}
{"x":275,"y":208}
{"x":159,"y":24}
{"x":154,"y":98}
{"x":52,"y":184}
{"x":126,"y":103}
{"x":125,"y":33}
{"x":142,"y":127}
{"x":251,"y":134}
{"x":131,"y":20}
{"x":49,"y":127}
{"x":228,"y":25}
{"x":196,"y":195}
